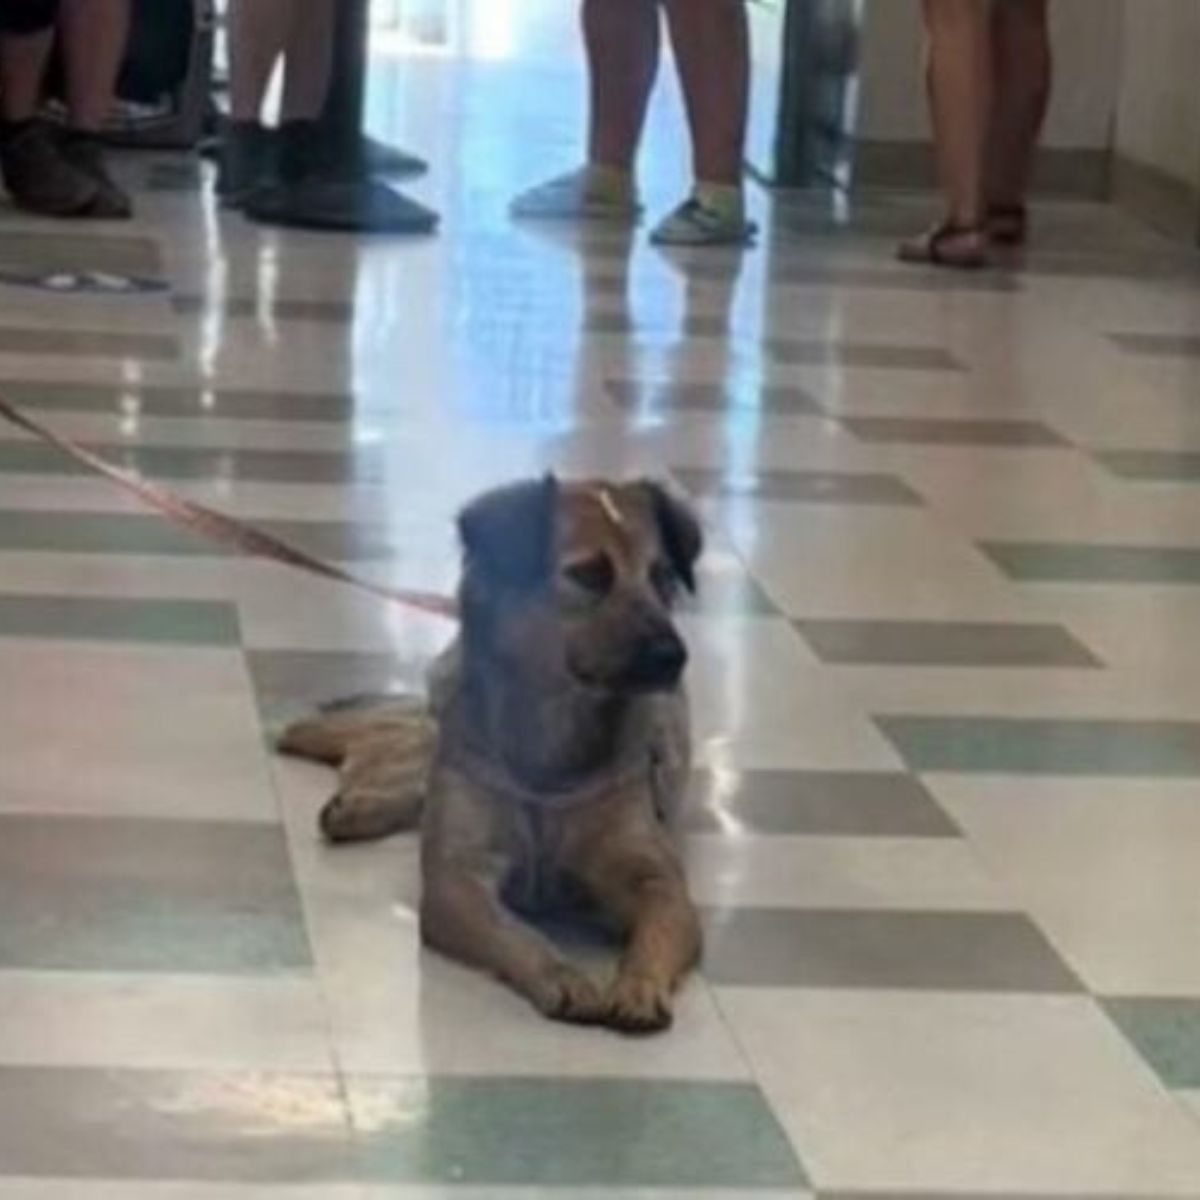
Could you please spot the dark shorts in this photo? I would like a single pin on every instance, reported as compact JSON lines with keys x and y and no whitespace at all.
{"x":27,"y":16}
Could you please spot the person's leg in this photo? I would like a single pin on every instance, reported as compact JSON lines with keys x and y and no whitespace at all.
{"x":93,"y":35}
{"x":23,"y":60}
{"x":308,"y":58}
{"x":257,"y":32}
{"x":959,"y":84}
{"x":711,"y":39}
{"x":36,"y":173}
{"x":1022,"y":66}
{"x":622,"y":43}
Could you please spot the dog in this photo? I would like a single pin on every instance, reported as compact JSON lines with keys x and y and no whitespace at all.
{"x":550,"y":761}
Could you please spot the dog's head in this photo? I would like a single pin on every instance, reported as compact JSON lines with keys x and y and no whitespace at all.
{"x":578,"y":579}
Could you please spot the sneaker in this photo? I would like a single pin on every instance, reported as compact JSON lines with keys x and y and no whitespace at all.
{"x":695,"y":223}
{"x":246,"y":161}
{"x":575,"y":197}
{"x":86,"y":155}
{"x":38,"y":176}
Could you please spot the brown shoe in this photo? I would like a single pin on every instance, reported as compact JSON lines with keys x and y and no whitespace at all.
{"x":85,"y":154}
{"x":39,"y":178}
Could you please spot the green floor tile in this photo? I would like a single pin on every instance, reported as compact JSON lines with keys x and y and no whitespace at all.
{"x":148,"y":533}
{"x":1071,"y":562}
{"x":572,"y":1132}
{"x":132,"y":894}
{"x":101,"y":618}
{"x":1166,"y":1032}
{"x":1004,"y":745}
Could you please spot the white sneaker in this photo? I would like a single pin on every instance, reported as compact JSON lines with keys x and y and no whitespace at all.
{"x":694,"y":223}
{"x":575,"y":197}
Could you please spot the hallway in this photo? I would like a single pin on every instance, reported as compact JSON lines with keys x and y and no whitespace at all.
{"x":946,"y":685}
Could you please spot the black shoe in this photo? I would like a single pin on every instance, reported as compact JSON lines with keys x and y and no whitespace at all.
{"x":39,"y":177}
{"x":383,"y":159}
{"x":247,"y":161}
{"x":84,"y":152}
{"x":304,"y":153}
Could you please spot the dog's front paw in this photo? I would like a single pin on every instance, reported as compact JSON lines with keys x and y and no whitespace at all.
{"x":564,"y":993}
{"x":638,"y":1005}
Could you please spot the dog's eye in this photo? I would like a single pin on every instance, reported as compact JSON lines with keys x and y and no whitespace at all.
{"x":664,"y":579}
{"x":594,"y":575}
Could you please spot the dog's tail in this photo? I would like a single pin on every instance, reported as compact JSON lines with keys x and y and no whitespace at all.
{"x":383,"y":749}
{"x":329,"y":735}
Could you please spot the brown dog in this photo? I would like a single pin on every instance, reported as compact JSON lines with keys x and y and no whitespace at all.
{"x":556,"y":751}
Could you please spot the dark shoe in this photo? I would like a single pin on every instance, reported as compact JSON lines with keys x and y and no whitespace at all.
{"x":382,"y":159}
{"x":246,"y":163}
{"x":39,"y":178}
{"x":86,"y":155}
{"x":303,"y":153}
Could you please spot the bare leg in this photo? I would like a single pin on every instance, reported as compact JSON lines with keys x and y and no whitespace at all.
{"x":958,"y":77}
{"x":712,"y":49}
{"x":622,"y":40}
{"x":1021,"y":54}
{"x":22,"y":69}
{"x":959,"y":80}
{"x":258,"y":31}
{"x":461,"y":915}
{"x":309,"y":57}
{"x":94,"y":36}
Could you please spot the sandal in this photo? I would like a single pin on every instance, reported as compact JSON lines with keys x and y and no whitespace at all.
{"x":963,"y":247}
{"x":1008,"y":224}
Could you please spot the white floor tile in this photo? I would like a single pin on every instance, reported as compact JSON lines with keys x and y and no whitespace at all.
{"x":1105,"y":867}
{"x":115,"y":730}
{"x":926,"y":1093}
{"x":839,"y":872}
{"x":163,"y":1022}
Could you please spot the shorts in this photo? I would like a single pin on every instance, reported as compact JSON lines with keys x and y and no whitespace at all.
{"x":18,"y":17}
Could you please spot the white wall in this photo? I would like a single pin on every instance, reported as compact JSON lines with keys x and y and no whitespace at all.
{"x":1158,"y":111}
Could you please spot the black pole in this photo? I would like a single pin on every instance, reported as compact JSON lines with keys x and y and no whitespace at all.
{"x":346,"y":103}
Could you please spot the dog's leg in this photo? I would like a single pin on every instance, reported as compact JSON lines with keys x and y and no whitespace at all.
{"x":384,"y":752}
{"x":642,"y":887}
{"x":463,"y":917}
{"x":381,"y":790}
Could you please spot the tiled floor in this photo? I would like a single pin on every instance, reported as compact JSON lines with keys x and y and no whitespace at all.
{"x":947,"y":685}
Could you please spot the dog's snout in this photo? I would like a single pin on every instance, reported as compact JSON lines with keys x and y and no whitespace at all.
{"x":660,"y":659}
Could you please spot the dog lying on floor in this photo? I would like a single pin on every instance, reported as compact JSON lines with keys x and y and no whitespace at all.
{"x":554,"y":750}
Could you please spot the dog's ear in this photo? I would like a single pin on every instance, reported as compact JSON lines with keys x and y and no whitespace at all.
{"x":680,"y":531}
{"x":509,"y":533}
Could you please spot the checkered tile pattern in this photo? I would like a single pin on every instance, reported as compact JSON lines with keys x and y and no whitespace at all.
{"x":947,"y":688}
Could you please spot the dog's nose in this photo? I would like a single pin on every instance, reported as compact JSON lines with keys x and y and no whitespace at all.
{"x":661,"y":659}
